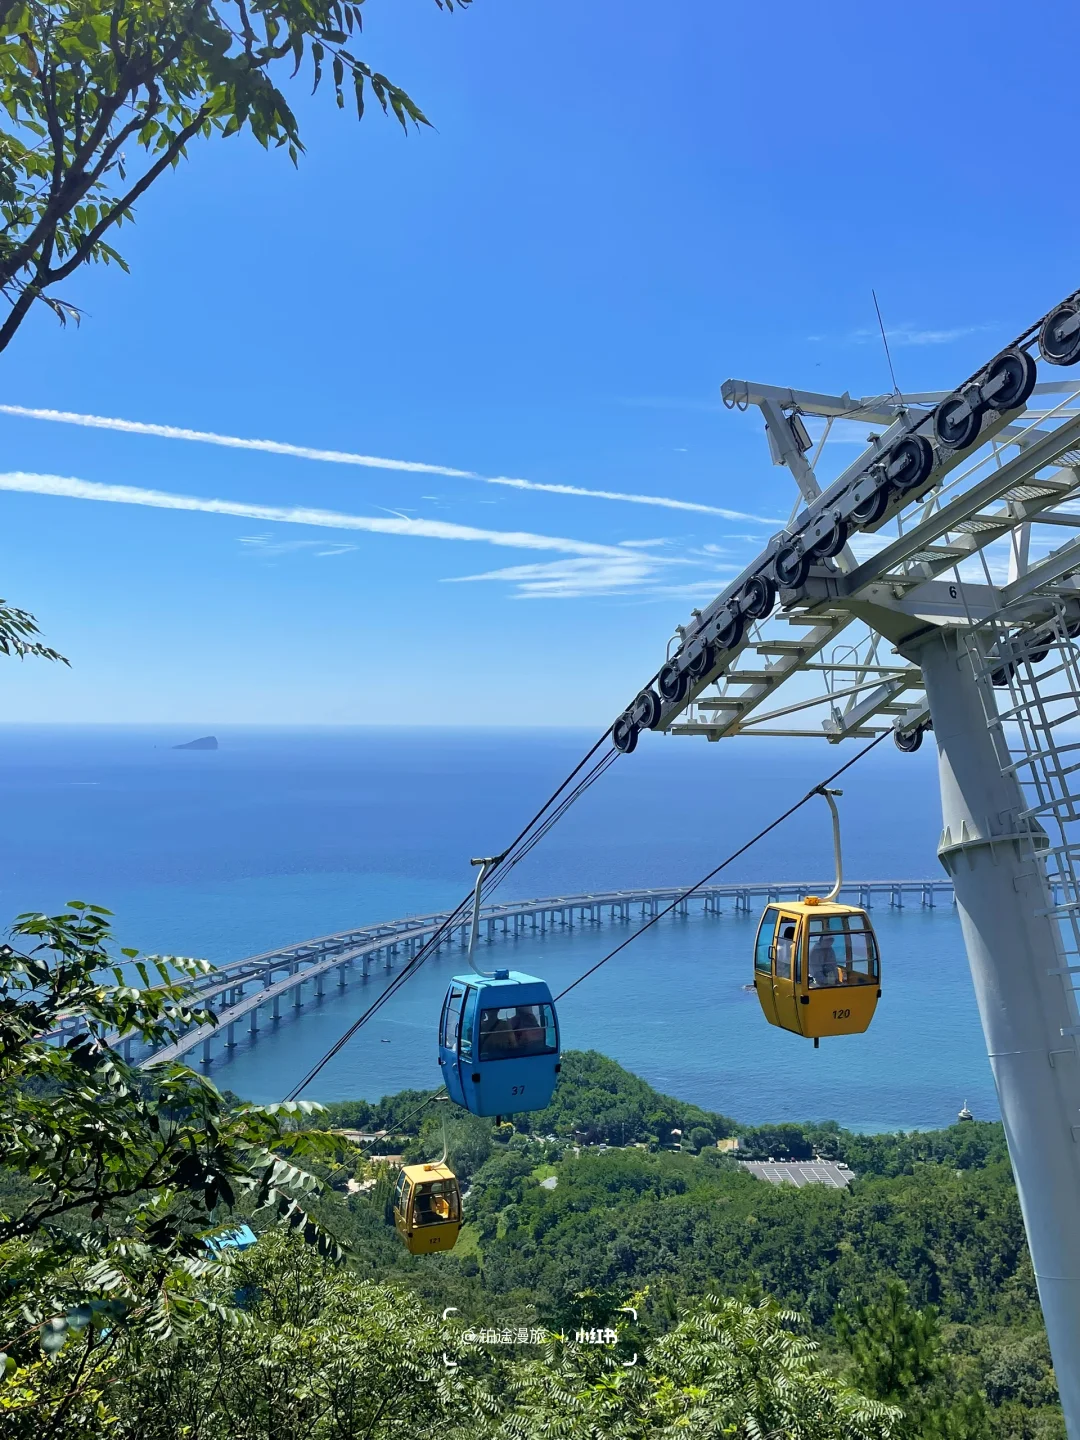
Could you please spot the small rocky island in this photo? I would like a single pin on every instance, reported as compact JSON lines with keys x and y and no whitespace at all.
{"x":204,"y":742}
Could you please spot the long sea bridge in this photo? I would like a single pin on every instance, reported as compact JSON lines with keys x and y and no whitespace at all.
{"x":253,"y":990}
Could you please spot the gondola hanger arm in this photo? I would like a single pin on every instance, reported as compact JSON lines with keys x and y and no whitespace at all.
{"x":828,"y":794}
{"x":486,"y":865}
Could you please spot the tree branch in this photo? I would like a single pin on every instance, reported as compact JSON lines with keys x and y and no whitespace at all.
{"x":107,"y":221}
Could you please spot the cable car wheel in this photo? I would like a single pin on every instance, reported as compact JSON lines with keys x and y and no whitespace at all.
{"x":1018,"y":372}
{"x":958,"y":419}
{"x":758,"y":597}
{"x":646,"y":710}
{"x":701,"y":661}
{"x":908,"y":740}
{"x":909,"y":463}
{"x":791,"y":566}
{"x":869,"y":510}
{"x":673,"y":683}
{"x":832,"y":542}
{"x":1043,"y":641}
{"x":1059,"y":338}
{"x":624,"y":734}
{"x":729,"y":629}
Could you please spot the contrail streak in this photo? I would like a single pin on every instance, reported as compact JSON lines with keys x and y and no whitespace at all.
{"x":69,"y":488}
{"x":235,"y":442}
{"x":374,"y":462}
{"x":629,"y":497}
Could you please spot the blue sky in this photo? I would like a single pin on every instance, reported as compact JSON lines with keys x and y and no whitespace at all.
{"x":620,"y":206}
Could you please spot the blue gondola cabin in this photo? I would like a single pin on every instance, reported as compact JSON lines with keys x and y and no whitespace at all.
{"x":499,"y":1043}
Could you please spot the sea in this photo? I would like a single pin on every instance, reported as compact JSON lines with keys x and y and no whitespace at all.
{"x":281,"y":835}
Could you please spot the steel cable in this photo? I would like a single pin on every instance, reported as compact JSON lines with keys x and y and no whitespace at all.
{"x":599,"y":769}
{"x":810,"y":794}
{"x":520,"y":846}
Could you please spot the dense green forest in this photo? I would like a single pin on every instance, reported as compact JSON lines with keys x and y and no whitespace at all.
{"x":929,"y":1237}
{"x":619,"y":1274}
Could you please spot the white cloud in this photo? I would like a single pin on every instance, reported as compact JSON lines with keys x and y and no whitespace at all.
{"x":234,"y":442}
{"x":910,"y":335}
{"x":841,"y":432}
{"x":266,"y":546}
{"x":345,"y":457}
{"x":902,"y":336}
{"x":865,"y":547}
{"x":572,"y":579}
{"x":628,"y":497}
{"x":634,"y":574}
{"x":69,"y":488}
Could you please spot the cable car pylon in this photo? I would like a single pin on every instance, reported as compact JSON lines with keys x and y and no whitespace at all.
{"x":987,"y":660}
{"x":994,"y":853}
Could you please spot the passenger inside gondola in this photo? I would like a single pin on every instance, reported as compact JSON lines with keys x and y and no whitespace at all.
{"x":518,"y":1030}
{"x":842,"y":952}
{"x":784,"y":948}
{"x":435,"y":1203}
{"x":528,"y":1032}
{"x":496,"y":1034}
{"x":823,"y":969}
{"x":423,"y":1213}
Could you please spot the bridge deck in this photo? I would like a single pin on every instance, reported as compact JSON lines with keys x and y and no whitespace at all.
{"x":256,"y":981}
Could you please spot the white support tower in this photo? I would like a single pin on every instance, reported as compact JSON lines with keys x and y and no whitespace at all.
{"x":926,"y":587}
{"x":993,"y":846}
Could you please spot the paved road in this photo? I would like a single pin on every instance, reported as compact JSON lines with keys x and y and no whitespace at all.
{"x":799,"y":1172}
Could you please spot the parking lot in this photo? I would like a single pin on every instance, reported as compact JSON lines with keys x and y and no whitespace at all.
{"x":799,"y":1172}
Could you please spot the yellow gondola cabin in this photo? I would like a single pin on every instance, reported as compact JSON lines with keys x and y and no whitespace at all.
{"x":427,"y":1208}
{"x":816,"y":968}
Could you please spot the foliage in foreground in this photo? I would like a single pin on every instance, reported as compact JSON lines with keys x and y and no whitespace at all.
{"x":313,"y":1352}
{"x":104,"y":96}
{"x":112,"y":1182}
{"x":326,"y":1356}
{"x":727,"y":1369}
{"x":18,"y":635}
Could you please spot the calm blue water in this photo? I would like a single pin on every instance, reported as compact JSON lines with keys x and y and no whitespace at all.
{"x":281,"y":835}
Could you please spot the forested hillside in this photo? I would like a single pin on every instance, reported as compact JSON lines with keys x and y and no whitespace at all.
{"x":619,"y":1275}
{"x":551,"y":1215}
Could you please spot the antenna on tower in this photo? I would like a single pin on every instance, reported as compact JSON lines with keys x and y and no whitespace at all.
{"x":885,"y":342}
